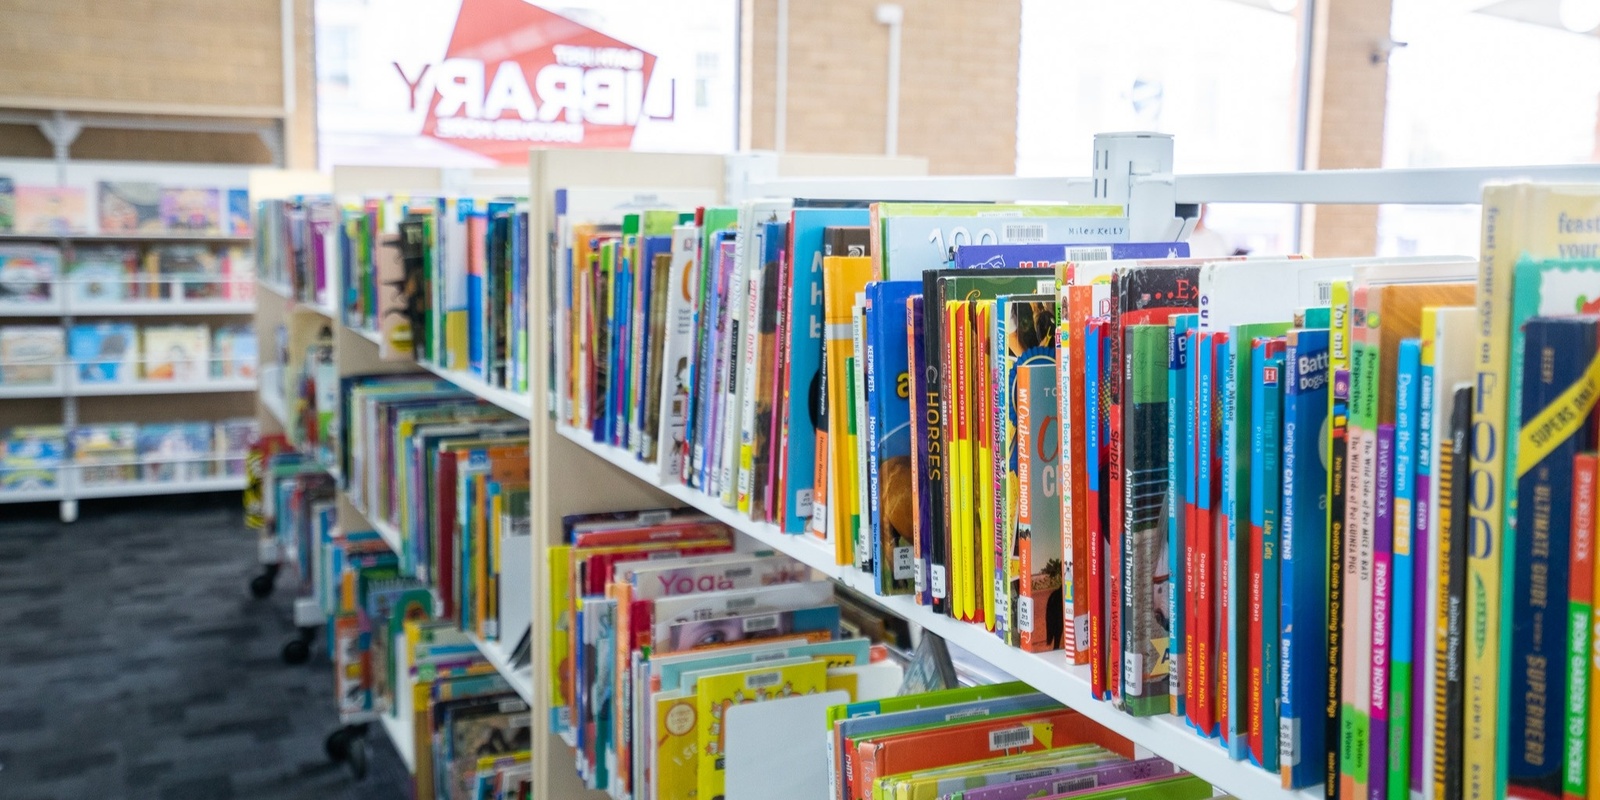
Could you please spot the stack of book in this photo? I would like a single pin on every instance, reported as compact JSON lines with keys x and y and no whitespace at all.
{"x":1236,"y":489}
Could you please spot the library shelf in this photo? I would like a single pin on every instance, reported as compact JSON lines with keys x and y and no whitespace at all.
{"x":1165,"y":736}
{"x":127,"y":388}
{"x":288,"y":295}
{"x":168,"y":237}
{"x":49,"y":495}
{"x":401,"y":736}
{"x":517,"y":403}
{"x":131,"y":308}
{"x":521,"y":680}
{"x":228,"y":483}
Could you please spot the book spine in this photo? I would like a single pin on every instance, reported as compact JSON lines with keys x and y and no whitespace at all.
{"x":1075,"y":516}
{"x":1233,"y":655}
{"x":1115,"y":375}
{"x":1556,"y":355}
{"x":1338,"y":563}
{"x":1404,"y":597}
{"x":990,"y":573}
{"x":1068,"y":461}
{"x":961,"y":496}
{"x":749,"y":372}
{"x":1359,"y":489}
{"x":1177,"y":565}
{"x":1146,"y":685}
{"x":1382,"y":611}
{"x":1254,"y":551}
{"x":1304,"y":559}
{"x":923,"y":449}
{"x":874,"y":508}
{"x":1190,"y":601}
{"x":860,"y":533}
{"x":1580,"y":612}
{"x":1500,"y":238}
{"x":932,"y":426}
{"x":1203,"y":703}
{"x":1449,"y":773}
{"x":1271,"y":498}
{"x":775,"y":497}
{"x":1426,"y":569}
{"x":726,"y":432}
{"x":1025,"y":509}
{"x":1592,"y":734}
{"x":1096,"y":529}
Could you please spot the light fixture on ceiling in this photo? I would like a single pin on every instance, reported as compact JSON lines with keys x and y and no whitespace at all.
{"x":1580,"y":16}
{"x":1283,"y":6}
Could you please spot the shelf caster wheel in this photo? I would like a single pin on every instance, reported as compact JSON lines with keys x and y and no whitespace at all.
{"x":69,"y":511}
{"x":356,"y":758}
{"x":348,"y":745}
{"x":261,"y":586}
{"x":296,"y":651}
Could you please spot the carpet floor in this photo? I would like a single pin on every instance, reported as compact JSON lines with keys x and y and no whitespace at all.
{"x":135,"y":664}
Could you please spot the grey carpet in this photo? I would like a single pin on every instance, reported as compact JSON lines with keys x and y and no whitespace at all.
{"x":135,"y":664}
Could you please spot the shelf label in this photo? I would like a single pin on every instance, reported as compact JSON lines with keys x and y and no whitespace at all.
{"x":902,"y":563}
{"x":937,"y":577}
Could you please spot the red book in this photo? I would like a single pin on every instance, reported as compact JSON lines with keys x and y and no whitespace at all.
{"x":1095,"y":448}
{"x":1192,"y":541}
{"x":1580,"y":614}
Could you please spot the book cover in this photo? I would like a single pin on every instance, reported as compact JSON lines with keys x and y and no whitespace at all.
{"x":176,"y":352}
{"x":50,"y":210}
{"x":1378,"y":750}
{"x":102,"y":275}
{"x":28,"y":273}
{"x":1341,"y":568}
{"x":1266,"y":479}
{"x":924,"y":447}
{"x":1206,"y":532}
{"x":1075,"y":488}
{"x":104,"y":453}
{"x":8,"y":203}
{"x":762,"y":365}
{"x":31,"y":457}
{"x":129,"y":207}
{"x":235,"y":352}
{"x":1095,"y":396}
{"x":1180,"y":423}
{"x":715,"y":694}
{"x":191,"y":209}
{"x":174,"y":451}
{"x":103,"y":352}
{"x":807,"y":227}
{"x":1303,"y":690}
{"x":1560,"y":376}
{"x":1518,"y":220}
{"x":1407,"y":412}
{"x":1145,"y":576}
{"x":1040,"y":605}
{"x":677,"y":342}
{"x":856,"y":432}
{"x":1025,"y":336}
{"x":889,"y":435}
{"x":31,"y":354}
{"x":239,"y":218}
{"x":1580,"y":643}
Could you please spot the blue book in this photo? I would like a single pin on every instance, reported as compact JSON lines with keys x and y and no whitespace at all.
{"x":1010,"y":256}
{"x":805,"y":354}
{"x":1302,"y":562}
{"x":1266,"y":410}
{"x":477,"y":299}
{"x":889,"y":430}
{"x":1557,"y":354}
{"x":1403,"y":598}
{"x":1180,"y":410}
{"x":1093,"y":346}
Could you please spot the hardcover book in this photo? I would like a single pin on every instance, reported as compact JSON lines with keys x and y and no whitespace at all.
{"x":104,"y":352}
{"x":103,"y":275}
{"x":50,"y":210}
{"x":176,"y":353}
{"x":130,"y":207}
{"x":31,"y":354}
{"x":28,"y":274}
{"x":189,"y":209}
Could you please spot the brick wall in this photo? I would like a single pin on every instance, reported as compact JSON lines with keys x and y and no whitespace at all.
{"x":1348,"y":96}
{"x":958,"y":80}
{"x":161,"y":57}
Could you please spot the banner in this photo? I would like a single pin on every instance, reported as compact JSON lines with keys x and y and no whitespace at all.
{"x":461,"y":83}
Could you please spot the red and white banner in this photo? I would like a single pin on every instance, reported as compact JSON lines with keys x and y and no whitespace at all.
{"x":478,"y":82}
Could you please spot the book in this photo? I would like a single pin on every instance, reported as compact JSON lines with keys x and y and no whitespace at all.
{"x":1404,"y":606}
{"x":1518,"y":220}
{"x":239,"y":217}
{"x":8,"y":203}
{"x":1144,"y":575}
{"x":1559,"y":355}
{"x":1024,"y":337}
{"x":174,"y":451}
{"x":843,"y":277}
{"x":234,"y":352}
{"x":717,"y":693}
{"x":888,"y":435}
{"x":102,"y":275}
{"x":677,"y":340}
{"x":176,"y":352}
{"x":1102,"y":673}
{"x":1449,"y":773}
{"x":1266,"y":477}
{"x":53,"y":210}
{"x":31,"y":457}
{"x":31,"y":355}
{"x":191,"y":209}
{"x":1302,"y":690}
{"x":1575,"y":775}
{"x":104,"y":352}
{"x":1040,"y":605}
{"x":104,"y":453}
{"x":1180,"y":430}
{"x":129,"y":207}
{"x":28,"y":273}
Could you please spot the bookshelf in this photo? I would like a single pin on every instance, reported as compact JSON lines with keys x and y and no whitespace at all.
{"x":69,"y":401}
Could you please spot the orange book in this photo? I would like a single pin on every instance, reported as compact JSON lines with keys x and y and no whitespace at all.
{"x":842,"y":278}
{"x":910,"y":751}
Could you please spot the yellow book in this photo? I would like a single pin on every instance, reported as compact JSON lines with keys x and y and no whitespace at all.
{"x":842,"y":278}
{"x":557,"y":560}
{"x":981,"y":408}
{"x":1539,"y":221}
{"x":715,"y":694}
{"x":960,"y":476}
{"x":455,"y":339}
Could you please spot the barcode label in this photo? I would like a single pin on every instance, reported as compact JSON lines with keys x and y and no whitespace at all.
{"x":765,"y":622}
{"x":902,"y":563}
{"x":819,"y":518}
{"x":741,"y":602}
{"x":512,"y":706}
{"x":1026,"y":775}
{"x":763,"y":680}
{"x":772,"y":656}
{"x":654,"y":518}
{"x":1324,"y":292}
{"x":1009,"y":738}
{"x":740,"y":572}
{"x":936,"y":575}
{"x":1022,"y":232}
{"x":1088,"y":254}
{"x":802,"y":503}
{"x":1080,"y":632}
{"x":971,"y":712}
{"x":491,"y":629}
{"x":1025,"y":614}
{"x":918,"y":581}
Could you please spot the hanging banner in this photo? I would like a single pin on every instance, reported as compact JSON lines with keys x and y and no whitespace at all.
{"x":479,"y":82}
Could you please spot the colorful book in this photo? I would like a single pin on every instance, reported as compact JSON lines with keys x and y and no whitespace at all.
{"x":1266,"y":478}
{"x":1040,"y":607}
{"x":1303,"y":690}
{"x":1404,"y":606}
{"x":1575,"y":775}
{"x":1145,"y":658}
{"x":1180,"y":416}
{"x":843,"y":277}
{"x":888,"y":435}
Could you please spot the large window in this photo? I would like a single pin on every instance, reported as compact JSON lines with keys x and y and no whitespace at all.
{"x":1221,"y":75}
{"x":478,"y":82}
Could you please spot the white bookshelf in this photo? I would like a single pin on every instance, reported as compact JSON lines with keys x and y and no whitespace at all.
{"x":521,"y":680}
{"x":518,"y":403}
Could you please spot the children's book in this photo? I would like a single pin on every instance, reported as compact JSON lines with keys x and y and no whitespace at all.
{"x":888,"y":435}
{"x":31,"y":354}
{"x":8,"y":203}
{"x":1266,"y":477}
{"x":715,"y":694}
{"x":176,"y":352}
{"x":239,"y":217}
{"x":104,"y":352}
{"x":234,"y":352}
{"x":104,"y":453}
{"x":31,"y":457}
{"x":1040,"y":606}
{"x":189,"y":209}
{"x":1403,"y":594}
{"x":843,"y":277}
{"x":102,"y":275}
{"x":174,"y":451}
{"x":50,"y":209}
{"x":130,"y":207}
{"x":1575,"y":775}
{"x":1180,"y":429}
{"x":28,"y":273}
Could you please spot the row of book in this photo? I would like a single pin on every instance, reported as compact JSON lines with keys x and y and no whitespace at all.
{"x":33,"y":276}
{"x":449,"y":473}
{"x":33,"y":457}
{"x":1104,"y":453}
{"x":682,"y":665}
{"x":442,"y":280}
{"x":141,"y":207}
{"x":390,"y":655}
{"x":122,"y":352}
